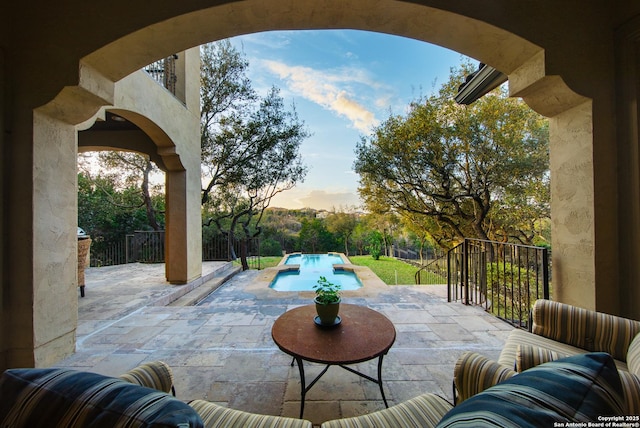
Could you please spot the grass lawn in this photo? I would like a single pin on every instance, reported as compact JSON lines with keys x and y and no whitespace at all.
{"x":265,"y":262}
{"x":391,"y":271}
{"x":269,"y":261}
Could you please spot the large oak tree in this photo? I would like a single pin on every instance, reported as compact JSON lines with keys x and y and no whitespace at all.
{"x":479,"y":171}
{"x":250,"y":146}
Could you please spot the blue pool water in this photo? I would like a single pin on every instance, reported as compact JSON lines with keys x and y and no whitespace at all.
{"x":312,"y":267}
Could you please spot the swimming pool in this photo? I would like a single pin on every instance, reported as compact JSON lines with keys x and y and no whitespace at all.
{"x":311,"y":267}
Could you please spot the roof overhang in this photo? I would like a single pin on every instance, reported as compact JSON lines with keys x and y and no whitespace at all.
{"x":479,"y":83}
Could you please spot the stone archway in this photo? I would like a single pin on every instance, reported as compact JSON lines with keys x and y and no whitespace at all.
{"x":523,"y":61}
{"x":110,"y":46}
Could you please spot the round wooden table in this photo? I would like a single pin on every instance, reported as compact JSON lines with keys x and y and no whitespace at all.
{"x":362,"y":335}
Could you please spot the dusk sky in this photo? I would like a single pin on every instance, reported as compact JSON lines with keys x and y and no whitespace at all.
{"x":343,"y":83}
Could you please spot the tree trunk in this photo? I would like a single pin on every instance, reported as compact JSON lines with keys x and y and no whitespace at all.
{"x":244,"y":243}
{"x":151,"y":212}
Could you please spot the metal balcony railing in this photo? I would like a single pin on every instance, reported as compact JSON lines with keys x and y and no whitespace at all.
{"x":164,"y":72}
{"x":433,"y":272}
{"x":506,"y":279}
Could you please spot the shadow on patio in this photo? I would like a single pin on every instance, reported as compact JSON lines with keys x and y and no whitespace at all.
{"x":222,"y":350}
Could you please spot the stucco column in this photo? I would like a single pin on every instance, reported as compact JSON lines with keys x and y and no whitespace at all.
{"x":580,"y":256}
{"x":183,"y":227}
{"x":572,"y":207}
{"x":55,"y":292}
{"x":183,"y":183}
{"x":39,"y":292}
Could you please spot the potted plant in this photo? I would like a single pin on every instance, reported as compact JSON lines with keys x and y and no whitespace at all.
{"x":327,"y":301}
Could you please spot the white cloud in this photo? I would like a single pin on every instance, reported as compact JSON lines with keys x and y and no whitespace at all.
{"x":330,"y":90}
{"x":317,"y":199}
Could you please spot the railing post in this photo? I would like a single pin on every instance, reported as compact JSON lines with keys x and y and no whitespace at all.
{"x":465,"y":271}
{"x":448,"y":275}
{"x":545,"y":273}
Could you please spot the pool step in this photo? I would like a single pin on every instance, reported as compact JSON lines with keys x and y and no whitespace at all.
{"x":193,"y":297}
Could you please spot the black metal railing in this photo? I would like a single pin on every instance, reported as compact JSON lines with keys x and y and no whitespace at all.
{"x":146,"y":247}
{"x":506,"y":279}
{"x":149,"y":247}
{"x":433,"y":272}
{"x":164,"y":72}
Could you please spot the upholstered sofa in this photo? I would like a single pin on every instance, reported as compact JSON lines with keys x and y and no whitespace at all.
{"x":142,"y":397}
{"x":563,"y":370}
{"x":557,"y":330}
{"x":577,"y":389}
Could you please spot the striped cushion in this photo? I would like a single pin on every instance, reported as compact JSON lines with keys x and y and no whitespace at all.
{"x":473,"y":373}
{"x":586,"y":329}
{"x":633,"y":356}
{"x":528,"y":356}
{"x":518,"y":337}
{"x":156,"y":375}
{"x":423,"y":411}
{"x":67,"y":398}
{"x":631,"y":389}
{"x":580,"y":388}
{"x":215,"y":416}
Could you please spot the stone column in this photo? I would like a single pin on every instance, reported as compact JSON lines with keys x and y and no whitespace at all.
{"x":55,"y":301}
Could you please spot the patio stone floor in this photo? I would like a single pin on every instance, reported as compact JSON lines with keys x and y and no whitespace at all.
{"x":222,"y":351}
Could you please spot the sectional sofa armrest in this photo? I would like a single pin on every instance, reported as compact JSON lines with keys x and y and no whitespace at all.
{"x":583,"y":328}
{"x":424,"y":411}
{"x":156,"y":375}
{"x":473,"y":373}
{"x":215,"y":416}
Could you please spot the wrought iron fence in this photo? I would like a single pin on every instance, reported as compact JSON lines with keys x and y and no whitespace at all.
{"x":506,"y":279}
{"x":433,"y":272}
{"x":149,"y":247}
{"x":103,"y":253}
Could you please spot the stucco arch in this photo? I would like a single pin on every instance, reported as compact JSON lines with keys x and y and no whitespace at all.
{"x":524,"y":61}
{"x":133,"y":132}
{"x":560,"y":60}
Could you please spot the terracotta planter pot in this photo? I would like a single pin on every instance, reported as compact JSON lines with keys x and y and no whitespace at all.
{"x":328,"y":313}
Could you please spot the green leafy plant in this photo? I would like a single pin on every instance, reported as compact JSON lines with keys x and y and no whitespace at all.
{"x":326,"y":291}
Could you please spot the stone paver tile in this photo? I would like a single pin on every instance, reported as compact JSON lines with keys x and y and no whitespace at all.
{"x":240,"y":334}
{"x":193,"y":383}
{"x":410,"y":317}
{"x":230,"y":319}
{"x":143,"y":320}
{"x":416,"y":339}
{"x":417,"y":372}
{"x":441,"y":309}
{"x":315,"y":411}
{"x":261,"y":397}
{"x":118,"y":363}
{"x":246,"y":366}
{"x":455,"y":331}
{"x":86,"y":359}
{"x":184,"y":326}
{"x":474,"y":323}
{"x":405,"y":328}
{"x":90,"y":326}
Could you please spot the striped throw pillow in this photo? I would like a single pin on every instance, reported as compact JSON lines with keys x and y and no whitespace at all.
{"x":579,"y":388}
{"x":67,"y":398}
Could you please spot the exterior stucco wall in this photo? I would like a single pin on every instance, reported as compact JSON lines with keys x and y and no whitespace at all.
{"x":559,"y":54}
{"x":176,"y":132}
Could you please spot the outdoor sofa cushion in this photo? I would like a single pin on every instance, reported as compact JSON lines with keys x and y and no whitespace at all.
{"x":422,"y":411}
{"x":68,"y":398}
{"x":579,"y":388}
{"x":215,"y":416}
